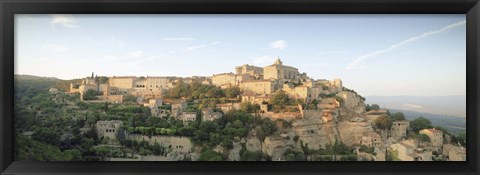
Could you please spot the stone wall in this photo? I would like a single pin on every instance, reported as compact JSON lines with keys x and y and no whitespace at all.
{"x":353,"y":132}
{"x":179,"y":144}
{"x":285,"y":115}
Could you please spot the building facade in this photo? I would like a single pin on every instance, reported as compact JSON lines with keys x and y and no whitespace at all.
{"x":435,"y":135}
{"x":108,"y":129}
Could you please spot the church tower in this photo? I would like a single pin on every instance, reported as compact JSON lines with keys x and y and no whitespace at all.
{"x":278,"y":61}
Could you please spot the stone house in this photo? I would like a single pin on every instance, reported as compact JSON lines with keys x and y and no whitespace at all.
{"x":407,"y":151}
{"x":454,"y":153}
{"x":108,"y":129}
{"x":188,"y":117}
{"x":228,"y":106}
{"x":209,"y":115}
{"x":253,"y":98}
{"x":399,"y":129}
{"x":435,"y":135}
{"x":178,"y":107}
{"x":372,"y":140}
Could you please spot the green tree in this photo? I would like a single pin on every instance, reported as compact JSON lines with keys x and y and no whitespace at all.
{"x":90,"y":95}
{"x":210,"y":155}
{"x":251,"y":156}
{"x":102,"y":152}
{"x":420,"y":123}
{"x":227,"y":143}
{"x":129,"y":98}
{"x":72,"y":155}
{"x":382,"y":122}
{"x":268,"y":127}
{"x":398,"y":116}
{"x":249,"y":107}
{"x":46,"y":135}
{"x":423,"y":138}
{"x":279,"y":100}
{"x":232,"y":92}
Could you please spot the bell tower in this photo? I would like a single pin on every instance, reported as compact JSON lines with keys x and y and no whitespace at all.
{"x":278,"y":61}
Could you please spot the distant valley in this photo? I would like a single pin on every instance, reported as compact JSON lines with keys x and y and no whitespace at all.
{"x":454,"y":106}
{"x":445,"y":111}
{"x":453,"y":124}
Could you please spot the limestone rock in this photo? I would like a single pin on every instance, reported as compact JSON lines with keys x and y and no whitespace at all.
{"x":254,"y":144}
{"x":276,"y":146}
{"x":352,"y":102}
{"x":234,"y":154}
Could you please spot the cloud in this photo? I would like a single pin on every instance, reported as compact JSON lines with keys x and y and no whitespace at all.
{"x":263,"y":60}
{"x":54,"y":48}
{"x":65,"y":20}
{"x":195,"y":47}
{"x":412,"y":106}
{"x":136,"y":54}
{"x":280,"y":44}
{"x":178,"y":39}
{"x":354,"y":63}
{"x":200,"y":46}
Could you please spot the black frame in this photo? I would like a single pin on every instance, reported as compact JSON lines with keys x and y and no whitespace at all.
{"x":10,"y":7}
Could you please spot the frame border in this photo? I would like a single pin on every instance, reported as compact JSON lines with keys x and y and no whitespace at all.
{"x":8,"y":8}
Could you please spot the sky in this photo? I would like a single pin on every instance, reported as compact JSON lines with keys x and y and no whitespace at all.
{"x":387,"y":55}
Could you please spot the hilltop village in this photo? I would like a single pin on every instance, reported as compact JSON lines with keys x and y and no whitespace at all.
{"x":257,"y":113}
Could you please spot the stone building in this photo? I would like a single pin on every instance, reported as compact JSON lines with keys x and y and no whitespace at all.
{"x":154,"y":105}
{"x":178,"y":107}
{"x":108,"y":129}
{"x":301,"y":92}
{"x":400,"y":128}
{"x":85,"y":85}
{"x":280,"y":72}
{"x":125,"y":83}
{"x":228,"y":106}
{"x":225,"y":80}
{"x":141,"y":86}
{"x":407,"y":150}
{"x":155,"y":85}
{"x":249,"y":69}
{"x":250,"y":97}
{"x":435,"y":135}
{"x":258,"y":86}
{"x":372,"y":139}
{"x":188,"y":117}
{"x":455,"y":153}
{"x":209,"y":115}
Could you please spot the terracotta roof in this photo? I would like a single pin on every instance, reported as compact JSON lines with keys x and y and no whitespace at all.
{"x":435,"y":130}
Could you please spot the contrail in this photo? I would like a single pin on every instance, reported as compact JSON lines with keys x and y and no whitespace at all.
{"x":409,"y":40}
